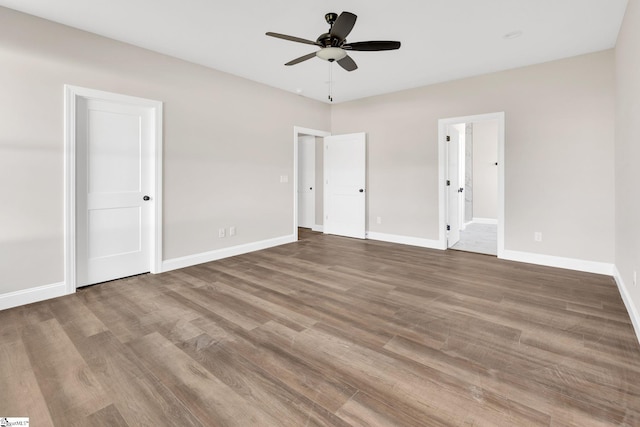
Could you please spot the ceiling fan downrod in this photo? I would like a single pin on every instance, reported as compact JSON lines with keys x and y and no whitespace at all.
{"x":331,"y":18}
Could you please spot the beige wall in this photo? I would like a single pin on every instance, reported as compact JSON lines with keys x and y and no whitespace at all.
{"x":627,"y":149}
{"x":225,"y":145}
{"x":485,"y":171}
{"x":559,"y":153}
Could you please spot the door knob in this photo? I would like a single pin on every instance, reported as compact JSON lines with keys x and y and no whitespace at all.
{"x":145,"y":198}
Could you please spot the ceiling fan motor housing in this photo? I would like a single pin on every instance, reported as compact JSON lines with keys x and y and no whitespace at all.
{"x":327,"y":40}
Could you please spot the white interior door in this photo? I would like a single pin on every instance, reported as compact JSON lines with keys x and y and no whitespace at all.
{"x":453,"y":178}
{"x":462,"y":146}
{"x":344,"y":186}
{"x":114,"y":180}
{"x":306,"y":181}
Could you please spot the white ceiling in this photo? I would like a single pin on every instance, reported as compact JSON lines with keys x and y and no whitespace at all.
{"x":441,"y":39}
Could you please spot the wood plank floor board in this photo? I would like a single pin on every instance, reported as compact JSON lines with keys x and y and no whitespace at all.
{"x":363,"y":410}
{"x":139,"y":397}
{"x":203,"y":394}
{"x":423,"y":390}
{"x":258,"y":387}
{"x":20,"y":394}
{"x":120,"y":314}
{"x":252,"y":280}
{"x":362,"y":325}
{"x":108,"y":416}
{"x":361,"y":368}
{"x":470,"y":370}
{"x":271,"y":311}
{"x":55,"y":362}
{"x":35,"y":313}
{"x":10,"y":325}
{"x":231,"y":308}
{"x":329,"y":331}
{"x":552,"y":382}
{"x":72,"y":313}
{"x":288,"y":341}
{"x":327,"y":391}
{"x":328,"y":277}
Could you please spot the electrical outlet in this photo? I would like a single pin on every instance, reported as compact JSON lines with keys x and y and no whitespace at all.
{"x":378,"y":220}
{"x":221,"y":232}
{"x":232,"y":230}
{"x":537,"y":236}
{"x":284,"y":178}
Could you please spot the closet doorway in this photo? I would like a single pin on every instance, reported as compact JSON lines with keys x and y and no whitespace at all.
{"x":472,"y":170}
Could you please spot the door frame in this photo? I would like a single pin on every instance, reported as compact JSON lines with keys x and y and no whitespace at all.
{"x":442,"y":168}
{"x":71,"y":94}
{"x":300,"y":131}
{"x":450,"y":219}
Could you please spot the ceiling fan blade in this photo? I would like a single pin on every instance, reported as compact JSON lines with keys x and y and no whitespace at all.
{"x":372,"y":45}
{"x":343,"y":25}
{"x":301,"y":59}
{"x":348,"y":63}
{"x":292,"y":38}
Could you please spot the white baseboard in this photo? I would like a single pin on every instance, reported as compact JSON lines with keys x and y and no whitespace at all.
{"x":405,"y":240}
{"x":188,"y":261}
{"x":31,"y":295}
{"x":559,"y":262}
{"x":484,"y":221}
{"x":628,"y":302}
{"x":319,"y":228}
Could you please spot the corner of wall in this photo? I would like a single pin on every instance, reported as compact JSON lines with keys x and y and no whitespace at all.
{"x":633,"y":311}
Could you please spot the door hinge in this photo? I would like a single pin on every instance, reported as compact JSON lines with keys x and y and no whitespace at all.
{"x":448,"y":138}
{"x":448,"y":183}
{"x":448,"y":227}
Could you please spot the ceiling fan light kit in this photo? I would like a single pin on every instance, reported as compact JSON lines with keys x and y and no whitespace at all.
{"x":331,"y":53}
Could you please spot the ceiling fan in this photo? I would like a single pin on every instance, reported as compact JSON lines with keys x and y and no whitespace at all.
{"x":333,"y":45}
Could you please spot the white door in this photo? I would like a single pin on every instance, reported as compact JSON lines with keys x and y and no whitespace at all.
{"x":462,"y":146}
{"x":306,"y":181}
{"x":114,"y":166}
{"x":453,"y":186}
{"x":344,"y":190}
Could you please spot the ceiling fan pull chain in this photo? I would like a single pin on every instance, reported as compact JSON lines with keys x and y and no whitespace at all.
{"x":330,"y":81}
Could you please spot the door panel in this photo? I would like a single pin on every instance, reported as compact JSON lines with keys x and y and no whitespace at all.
{"x":114,"y":231}
{"x":345,"y":179}
{"x":114,"y":145}
{"x":114,"y":155}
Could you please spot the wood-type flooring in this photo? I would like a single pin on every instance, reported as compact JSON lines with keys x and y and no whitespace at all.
{"x":328,"y":331}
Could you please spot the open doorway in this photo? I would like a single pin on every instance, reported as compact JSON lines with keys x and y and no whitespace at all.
{"x":308,"y":179}
{"x":472,"y":171}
